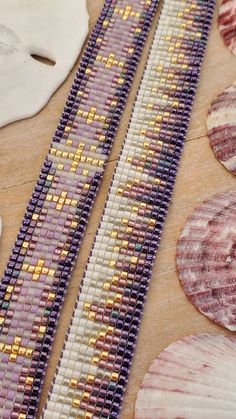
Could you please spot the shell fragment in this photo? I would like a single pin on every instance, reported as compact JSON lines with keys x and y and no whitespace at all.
{"x":221,"y":125}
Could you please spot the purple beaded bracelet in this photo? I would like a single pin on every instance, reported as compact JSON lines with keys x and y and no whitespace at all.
{"x":35,"y":281}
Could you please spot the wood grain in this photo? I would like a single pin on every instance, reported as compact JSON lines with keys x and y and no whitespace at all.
{"x":168,"y":315}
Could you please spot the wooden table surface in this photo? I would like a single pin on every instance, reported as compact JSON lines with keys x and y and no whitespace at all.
{"x":168,"y":314}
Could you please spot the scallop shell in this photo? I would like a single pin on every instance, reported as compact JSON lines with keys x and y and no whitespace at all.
{"x":193,"y":378}
{"x":206,"y":259}
{"x":221,"y":125}
{"x":227,"y":24}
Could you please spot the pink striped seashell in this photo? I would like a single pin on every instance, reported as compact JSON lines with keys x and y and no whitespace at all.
{"x":227,"y":24}
{"x":221,"y":125}
{"x":193,"y":378}
{"x":206,"y":259}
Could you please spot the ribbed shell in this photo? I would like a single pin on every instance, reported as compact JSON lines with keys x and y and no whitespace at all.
{"x":206,"y":259}
{"x":221,"y":125}
{"x":194,"y":378}
{"x":227,"y":24}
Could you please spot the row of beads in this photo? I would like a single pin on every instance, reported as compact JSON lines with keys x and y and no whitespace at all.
{"x":35,"y":281}
{"x":94,"y":365}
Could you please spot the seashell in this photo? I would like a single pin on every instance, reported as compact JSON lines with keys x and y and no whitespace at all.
{"x":40,"y":41}
{"x":194,"y":378}
{"x":227,"y":24}
{"x":206,"y":259}
{"x":221,"y":125}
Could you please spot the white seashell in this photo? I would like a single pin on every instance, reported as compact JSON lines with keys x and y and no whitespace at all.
{"x":54,"y":29}
{"x":193,"y":378}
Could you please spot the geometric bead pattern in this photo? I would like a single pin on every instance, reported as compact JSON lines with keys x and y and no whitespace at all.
{"x":95,"y":362}
{"x":35,"y":281}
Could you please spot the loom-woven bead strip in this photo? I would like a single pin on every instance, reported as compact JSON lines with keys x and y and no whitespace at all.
{"x":37,"y":274}
{"x":94,"y":365}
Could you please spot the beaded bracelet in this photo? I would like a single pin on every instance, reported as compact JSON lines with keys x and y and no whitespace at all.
{"x":35,"y":281}
{"x":92,"y":374}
